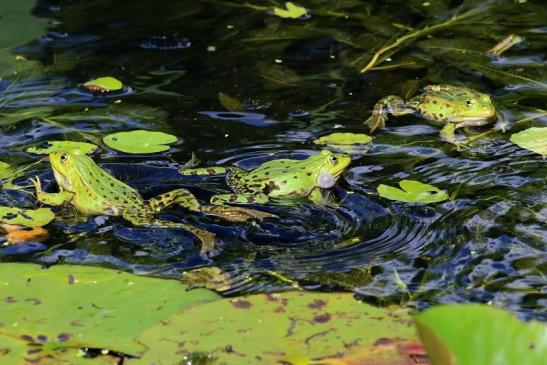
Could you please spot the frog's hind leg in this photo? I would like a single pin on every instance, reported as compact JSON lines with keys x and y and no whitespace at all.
{"x":391,"y":104}
{"x":258,"y":198}
{"x":179,"y":196}
{"x":208,"y":242}
{"x":202,"y":171}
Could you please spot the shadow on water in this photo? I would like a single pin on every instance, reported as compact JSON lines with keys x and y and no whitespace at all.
{"x":291,"y":82}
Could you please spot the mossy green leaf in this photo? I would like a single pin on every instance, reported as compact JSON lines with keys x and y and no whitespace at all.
{"x":282,"y":328}
{"x":104,"y":84}
{"x":291,"y":11}
{"x":230,"y":103}
{"x":139,"y":141}
{"x":533,"y":139}
{"x":76,"y":306}
{"x":63,"y":146}
{"x":344,"y":139}
{"x":474,"y":334}
{"x":26,"y":217}
{"x":412,"y":192}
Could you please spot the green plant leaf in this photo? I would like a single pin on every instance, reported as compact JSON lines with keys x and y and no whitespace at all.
{"x":291,"y":11}
{"x":139,"y":141}
{"x":63,"y":146}
{"x":344,"y":139}
{"x":292,"y":327}
{"x":5,"y":170}
{"x":26,"y":217}
{"x":533,"y":139}
{"x":230,"y":103}
{"x":474,"y":334}
{"x":75,"y":306}
{"x":412,"y":192}
{"x":104,"y":84}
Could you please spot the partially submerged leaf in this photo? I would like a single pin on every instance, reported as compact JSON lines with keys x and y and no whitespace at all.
{"x":103,"y":84}
{"x":475,"y":334}
{"x":344,"y":139}
{"x":291,"y":11}
{"x":139,"y":141}
{"x":230,"y":103}
{"x":64,"y":146}
{"x":412,"y":192}
{"x":26,"y":217}
{"x":533,"y":139}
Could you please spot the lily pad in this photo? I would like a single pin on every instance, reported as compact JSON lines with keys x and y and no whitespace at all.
{"x":75,"y":307}
{"x":103,"y":84}
{"x":533,"y":139}
{"x":291,"y":11}
{"x":474,"y":334}
{"x":26,"y":217}
{"x":412,"y":192}
{"x":64,"y":146}
{"x":344,"y":139}
{"x":139,"y":141}
{"x":283,"y":328}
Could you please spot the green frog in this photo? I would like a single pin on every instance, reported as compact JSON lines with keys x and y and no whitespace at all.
{"x":452,"y":106}
{"x":93,"y":191}
{"x":281,"y":178}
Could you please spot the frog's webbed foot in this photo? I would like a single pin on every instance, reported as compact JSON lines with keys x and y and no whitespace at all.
{"x":502,"y":122}
{"x":389,"y":105}
{"x":55,"y":199}
{"x":236,"y":214}
{"x":178,"y":196}
{"x":376,"y":121}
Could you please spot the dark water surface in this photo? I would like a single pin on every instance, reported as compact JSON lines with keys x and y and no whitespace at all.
{"x":297,"y":80}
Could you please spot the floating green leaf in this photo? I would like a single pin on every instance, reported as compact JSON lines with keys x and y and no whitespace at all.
{"x":412,"y":192}
{"x":139,"y":141}
{"x":75,"y":307}
{"x":344,"y":139}
{"x":26,"y":217}
{"x":533,"y":139}
{"x":291,"y":11}
{"x":104,"y":84}
{"x":230,"y":103}
{"x":5,"y":170}
{"x":293,"y":327}
{"x":474,"y":334}
{"x":63,"y":146}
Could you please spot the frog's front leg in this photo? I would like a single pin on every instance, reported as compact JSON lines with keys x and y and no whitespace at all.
{"x":316,"y":196}
{"x":448,"y":134}
{"x":55,"y":199}
{"x":257,"y":198}
{"x":391,"y":104}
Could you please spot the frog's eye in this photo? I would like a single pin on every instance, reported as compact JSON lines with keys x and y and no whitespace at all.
{"x":333,"y":160}
{"x":64,"y":158}
{"x":470,"y":103}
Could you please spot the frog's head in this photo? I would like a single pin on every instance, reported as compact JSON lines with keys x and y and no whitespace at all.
{"x":474,"y":106}
{"x":327,"y":162}
{"x":67,"y":167}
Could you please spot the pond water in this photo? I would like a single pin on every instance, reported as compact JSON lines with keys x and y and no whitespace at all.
{"x":295,"y":80}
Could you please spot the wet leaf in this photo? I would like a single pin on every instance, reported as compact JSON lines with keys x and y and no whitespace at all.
{"x":474,"y":334}
{"x":73,"y":306}
{"x":412,"y":192}
{"x":64,"y":146}
{"x":103,"y":84}
{"x":26,"y":217}
{"x":533,"y":139}
{"x":293,"y":327}
{"x":139,"y":141}
{"x":230,"y":103}
{"x":5,"y":170}
{"x":291,"y":11}
{"x":344,"y":139}
{"x":277,"y":76}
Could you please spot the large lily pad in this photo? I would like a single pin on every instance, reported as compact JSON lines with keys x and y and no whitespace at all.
{"x":412,"y":192}
{"x":139,"y":141}
{"x":477,"y":334}
{"x":294,"y":327}
{"x":76,"y":307}
{"x":291,"y":11}
{"x":26,"y":217}
{"x":344,"y":139}
{"x":64,"y":146}
{"x":533,"y":139}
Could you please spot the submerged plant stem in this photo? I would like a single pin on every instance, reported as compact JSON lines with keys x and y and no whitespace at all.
{"x":407,"y":38}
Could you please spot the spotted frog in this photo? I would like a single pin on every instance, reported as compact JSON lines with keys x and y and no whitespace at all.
{"x":93,"y":191}
{"x":452,"y":106}
{"x":282,"y":178}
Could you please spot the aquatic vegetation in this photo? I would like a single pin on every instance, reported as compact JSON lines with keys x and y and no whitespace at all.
{"x":412,"y":192}
{"x":140,"y":141}
{"x":533,"y":139}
